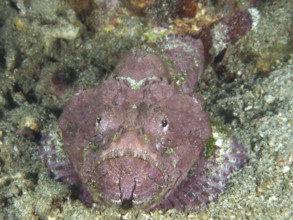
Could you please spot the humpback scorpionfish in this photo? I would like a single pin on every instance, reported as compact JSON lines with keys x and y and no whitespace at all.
{"x":139,"y":139}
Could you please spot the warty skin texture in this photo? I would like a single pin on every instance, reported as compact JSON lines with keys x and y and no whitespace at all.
{"x":138,"y":140}
{"x":134,"y":139}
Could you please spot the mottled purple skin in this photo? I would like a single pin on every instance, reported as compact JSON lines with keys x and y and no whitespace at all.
{"x":138,"y":140}
{"x":134,"y":142}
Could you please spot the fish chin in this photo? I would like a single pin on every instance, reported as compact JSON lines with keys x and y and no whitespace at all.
{"x":126,"y":177}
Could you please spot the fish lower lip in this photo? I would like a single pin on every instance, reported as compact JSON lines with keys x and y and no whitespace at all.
{"x":126,"y":178}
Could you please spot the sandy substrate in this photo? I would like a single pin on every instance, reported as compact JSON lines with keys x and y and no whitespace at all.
{"x":41,"y":38}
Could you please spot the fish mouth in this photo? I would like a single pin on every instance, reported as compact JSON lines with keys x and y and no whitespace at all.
{"x":127,"y":177}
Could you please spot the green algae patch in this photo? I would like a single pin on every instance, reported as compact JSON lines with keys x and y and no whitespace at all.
{"x":210,"y":147}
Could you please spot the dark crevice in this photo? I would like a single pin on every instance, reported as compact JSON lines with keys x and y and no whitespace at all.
{"x":52,"y":59}
{"x":29,"y":134}
{"x":64,"y":77}
{"x":57,"y":112}
{"x":34,"y":177}
{"x":13,"y":5}
{"x":220,"y":56}
{"x":2,"y":59}
{"x":11,"y":103}
{"x":1,"y":114}
{"x":31,"y":97}
{"x":227,"y":115}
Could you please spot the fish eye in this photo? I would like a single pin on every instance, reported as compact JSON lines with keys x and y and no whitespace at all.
{"x":164,"y":123}
{"x":98,"y":120}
